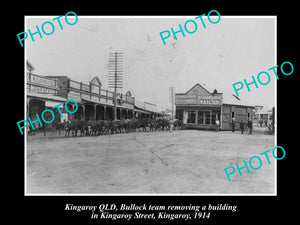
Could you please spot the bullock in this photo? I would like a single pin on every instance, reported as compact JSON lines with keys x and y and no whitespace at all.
{"x":151,"y":124}
{"x":117,"y":126}
{"x":142,"y":123}
{"x":125,"y":125}
{"x":148,"y":123}
{"x":100,"y":126}
{"x":108,"y":127}
{"x":178,"y":123}
{"x":120,"y":126}
{"x":131,"y":125}
{"x":137,"y":123}
{"x":162,"y":124}
{"x":88,"y":127}
{"x":74,"y":125}
{"x":92,"y":127}
{"x":59,"y":126}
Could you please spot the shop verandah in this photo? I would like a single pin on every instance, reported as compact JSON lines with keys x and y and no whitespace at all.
{"x":93,"y":102}
{"x":89,"y":111}
{"x":85,"y":112}
{"x":37,"y":103}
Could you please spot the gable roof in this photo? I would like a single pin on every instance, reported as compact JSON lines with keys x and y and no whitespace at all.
{"x":200,"y":89}
{"x":29,"y":66}
{"x":128,"y":93}
{"x":96,"y":81}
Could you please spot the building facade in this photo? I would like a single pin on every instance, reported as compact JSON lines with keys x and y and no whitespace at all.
{"x":199,"y":108}
{"x":42,"y":93}
{"x":94,"y":102}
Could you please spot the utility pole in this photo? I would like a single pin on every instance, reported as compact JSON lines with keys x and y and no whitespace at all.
{"x":172,"y":92}
{"x":115,"y":75}
{"x":172,"y":103}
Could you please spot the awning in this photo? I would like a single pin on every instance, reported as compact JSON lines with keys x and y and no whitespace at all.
{"x":52,"y":104}
{"x":46,"y":97}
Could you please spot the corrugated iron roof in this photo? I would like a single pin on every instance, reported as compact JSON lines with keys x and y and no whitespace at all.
{"x":230,"y":99}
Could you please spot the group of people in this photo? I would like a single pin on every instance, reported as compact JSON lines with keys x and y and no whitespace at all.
{"x":242,"y":125}
{"x":261,"y":121}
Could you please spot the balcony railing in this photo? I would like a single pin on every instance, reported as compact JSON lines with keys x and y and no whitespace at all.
{"x":94,"y":92}
{"x":40,"y":84}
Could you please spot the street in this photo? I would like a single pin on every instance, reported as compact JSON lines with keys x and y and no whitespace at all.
{"x":162,"y":162}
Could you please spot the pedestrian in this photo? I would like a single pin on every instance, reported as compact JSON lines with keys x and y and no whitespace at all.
{"x":233,"y":124}
{"x":217,"y":125}
{"x":250,"y":126}
{"x":260,"y":122}
{"x":242,"y":126}
{"x":266,"y":122}
{"x":171,"y":126}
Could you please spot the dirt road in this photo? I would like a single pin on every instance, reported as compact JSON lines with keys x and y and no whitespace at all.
{"x":178,"y":162}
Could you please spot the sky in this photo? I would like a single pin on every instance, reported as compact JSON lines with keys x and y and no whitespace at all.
{"x":216,"y":56}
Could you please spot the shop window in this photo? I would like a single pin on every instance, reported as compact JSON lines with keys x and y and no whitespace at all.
{"x":204,"y":117}
{"x":179,"y":115}
{"x":214,"y":117}
{"x":191,"y":117}
{"x":207,"y":115}
{"x":200,"y":117}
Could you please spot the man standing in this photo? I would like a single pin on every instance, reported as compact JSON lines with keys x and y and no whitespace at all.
{"x":260,"y":122}
{"x":242,"y":126}
{"x":217,"y":125}
{"x":171,"y":126}
{"x":233,"y":124}
{"x":250,"y":126}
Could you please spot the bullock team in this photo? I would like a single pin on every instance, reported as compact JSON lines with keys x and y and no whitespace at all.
{"x":100,"y":127}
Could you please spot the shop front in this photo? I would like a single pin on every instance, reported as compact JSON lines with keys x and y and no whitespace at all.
{"x":199,"y":117}
{"x":198,"y":108}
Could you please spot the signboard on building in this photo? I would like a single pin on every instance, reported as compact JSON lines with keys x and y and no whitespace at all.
{"x":198,"y":100}
{"x":199,"y":96}
{"x":39,"y":84}
{"x":41,"y":80}
{"x":209,"y":100}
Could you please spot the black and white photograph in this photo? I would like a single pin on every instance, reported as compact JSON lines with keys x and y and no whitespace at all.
{"x":183,"y":116}
{"x":150,"y":118}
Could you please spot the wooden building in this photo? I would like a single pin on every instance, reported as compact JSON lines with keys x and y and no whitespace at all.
{"x":199,"y":108}
{"x":94,"y":102}
{"x":41,"y":94}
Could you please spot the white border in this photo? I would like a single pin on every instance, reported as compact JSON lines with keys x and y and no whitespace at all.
{"x":168,"y":194}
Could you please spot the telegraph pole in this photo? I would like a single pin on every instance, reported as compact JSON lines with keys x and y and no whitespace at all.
{"x":172,"y":104}
{"x":115,"y":75}
{"x":172,"y":101}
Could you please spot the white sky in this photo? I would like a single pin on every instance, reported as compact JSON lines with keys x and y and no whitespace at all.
{"x":232,"y":50}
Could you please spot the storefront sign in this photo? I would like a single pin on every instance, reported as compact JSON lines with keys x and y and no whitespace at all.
{"x":198,"y":100}
{"x":40,"y":80}
{"x":209,"y":100}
